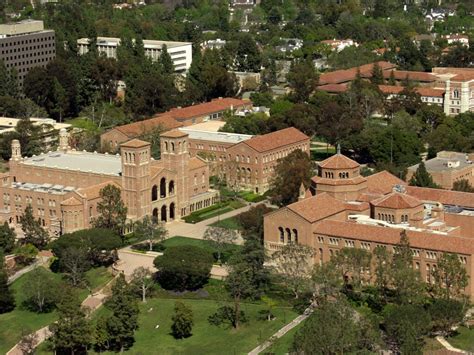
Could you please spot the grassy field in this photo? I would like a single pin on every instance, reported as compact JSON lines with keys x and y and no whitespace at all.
{"x":206,"y":338}
{"x":464,"y":339}
{"x":213,"y":211}
{"x":12,"y":324}
{"x":229,"y":223}
{"x":281,"y":346}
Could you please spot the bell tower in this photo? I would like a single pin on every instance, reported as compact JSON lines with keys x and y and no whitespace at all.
{"x":175,"y":157}
{"x":63,"y":140}
{"x":136,"y":189}
{"x":16,"y":150}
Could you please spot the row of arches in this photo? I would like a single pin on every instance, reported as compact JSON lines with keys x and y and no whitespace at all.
{"x":163,"y":189}
{"x":165,"y":213}
{"x":291,"y":235}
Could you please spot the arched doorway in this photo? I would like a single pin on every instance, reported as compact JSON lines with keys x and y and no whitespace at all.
{"x":172,"y":208}
{"x":155,"y":215}
{"x":163,"y":213}
{"x":154,"y":193}
{"x":171,"y":187}
{"x":163,"y":187}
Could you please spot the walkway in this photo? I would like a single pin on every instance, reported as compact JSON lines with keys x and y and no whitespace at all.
{"x":91,"y":303}
{"x":448,"y":346}
{"x":282,"y":332}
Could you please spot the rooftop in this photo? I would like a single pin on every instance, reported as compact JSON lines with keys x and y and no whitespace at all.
{"x":446,"y":197}
{"x":46,"y":188}
{"x":276,"y":139}
{"x":83,"y":161}
{"x":21,"y":27}
{"x":346,"y":75}
{"x":136,"y":129}
{"x":8,"y":124}
{"x":455,"y":162}
{"x":215,"y":136}
{"x":115,"y":41}
{"x":206,"y":108}
{"x":338,"y":161}
{"x":382,"y":182}
{"x":317,"y":207}
{"x":397,"y":200}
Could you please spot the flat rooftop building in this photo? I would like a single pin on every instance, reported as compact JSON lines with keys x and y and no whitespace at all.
{"x":25,"y":45}
{"x":180,"y":52}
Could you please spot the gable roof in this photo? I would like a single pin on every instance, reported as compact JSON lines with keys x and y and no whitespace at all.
{"x":71,"y":201}
{"x":397,"y":200}
{"x":412,"y":75}
{"x":206,"y":108}
{"x":382,"y":182}
{"x":196,"y":163}
{"x":135,"y":143}
{"x":338,"y":161}
{"x":317,"y":207}
{"x":346,"y":75}
{"x":136,"y":129}
{"x":275,"y":139}
{"x":446,"y":197}
{"x":93,"y":191}
{"x":389,"y":235}
{"x":175,"y":133}
{"x":394,"y":89}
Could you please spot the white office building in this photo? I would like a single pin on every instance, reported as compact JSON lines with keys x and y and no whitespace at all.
{"x":181,"y":52}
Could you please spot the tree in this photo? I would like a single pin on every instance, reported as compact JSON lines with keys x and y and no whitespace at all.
{"x":293,"y":264}
{"x":184,"y":267}
{"x":142,"y":280}
{"x":165,"y":61}
{"x":383,"y":261}
{"x":377,"y":74}
{"x":326,"y":282}
{"x":405,"y":280}
{"x":7,"y":300}
{"x":251,"y":258}
{"x":422,"y":178}
{"x":291,"y":171}
{"x":101,"y":335}
{"x":450,"y":277}
{"x":220,"y":238}
{"x":111,"y":209}
{"x":406,"y":325}
{"x":25,"y":254}
{"x":352,"y":263}
{"x":41,"y":291}
{"x":150,"y":229}
{"x":182,"y":321}
{"x":123,"y":321}
{"x":303,"y":80}
{"x":459,"y":185}
{"x":335,"y":328}
{"x":252,"y":220}
{"x":72,"y":331}
{"x":445,"y":314}
{"x":74,"y":262}
{"x":32,"y":229}
{"x":7,"y":238}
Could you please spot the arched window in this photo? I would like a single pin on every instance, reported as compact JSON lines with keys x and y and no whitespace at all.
{"x":295,"y":236}
{"x":456,"y":93}
{"x":282,"y":234}
{"x":172,"y":210}
{"x":155,"y":215}
{"x":163,"y":187}
{"x":288,"y":235}
{"x":203,"y":178}
{"x":154,"y":193}
{"x":320,"y":256}
{"x":172,"y":146}
{"x":163,"y":214}
{"x":171,"y":187}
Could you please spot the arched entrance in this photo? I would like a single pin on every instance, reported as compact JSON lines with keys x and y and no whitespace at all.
{"x":163,"y":213}
{"x":155,"y":215}
{"x":172,"y":211}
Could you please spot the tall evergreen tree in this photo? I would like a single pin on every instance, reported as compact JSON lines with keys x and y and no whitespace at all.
{"x":377,"y":74}
{"x":7,"y":238}
{"x":112,"y":211}
{"x":34,"y":233}
{"x":182,"y":321}
{"x":7,"y":301}
{"x":165,"y":61}
{"x":72,"y":333}
{"x":422,"y":178}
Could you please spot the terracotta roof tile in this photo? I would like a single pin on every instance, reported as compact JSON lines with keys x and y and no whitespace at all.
{"x":317,"y":207}
{"x":335,"y":88}
{"x":93,"y":191}
{"x":276,"y":139}
{"x":412,"y":75}
{"x":394,"y":89}
{"x":389,"y":235}
{"x":382,"y":182}
{"x":367,"y":197}
{"x":71,"y":201}
{"x":175,"y":133}
{"x":338,"y":161}
{"x":446,"y":197}
{"x":136,"y":129}
{"x":397,"y":200}
{"x":346,"y":75}
{"x":196,"y":163}
{"x":206,"y":108}
{"x":135,"y":143}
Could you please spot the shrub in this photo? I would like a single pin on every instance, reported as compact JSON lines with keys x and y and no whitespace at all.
{"x":184,"y":267}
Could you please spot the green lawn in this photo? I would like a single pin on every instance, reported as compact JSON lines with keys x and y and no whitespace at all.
{"x":206,"y":339}
{"x":464,"y":339}
{"x":213,"y":211}
{"x":12,"y":324}
{"x":251,"y":196}
{"x":229,"y":223}
{"x":282,"y":345}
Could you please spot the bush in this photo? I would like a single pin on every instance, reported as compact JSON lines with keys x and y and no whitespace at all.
{"x":157,"y":247}
{"x":184,"y":267}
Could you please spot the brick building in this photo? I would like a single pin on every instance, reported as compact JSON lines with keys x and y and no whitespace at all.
{"x":177,"y":117}
{"x":25,"y":45}
{"x":63,"y":186}
{"x":366,"y":212}
{"x":250,"y":164}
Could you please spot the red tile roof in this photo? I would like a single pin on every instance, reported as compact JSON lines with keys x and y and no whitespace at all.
{"x":346,"y":75}
{"x":390,"y":235}
{"x":196,"y":163}
{"x":175,"y":133}
{"x":412,"y":75}
{"x":335,"y":88}
{"x":135,"y":143}
{"x":206,"y":108}
{"x":463,"y":77}
{"x":136,"y":129}
{"x":382,"y":182}
{"x":338,"y":161}
{"x":276,"y":139}
{"x":394,"y":89}
{"x":446,"y":197}
{"x":318,"y":207}
{"x":93,"y":191}
{"x":397,"y":200}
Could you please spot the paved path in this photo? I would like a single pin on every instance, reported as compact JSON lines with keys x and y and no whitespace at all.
{"x":24,"y":271}
{"x":281,"y":332}
{"x":91,"y":303}
{"x":448,"y":346}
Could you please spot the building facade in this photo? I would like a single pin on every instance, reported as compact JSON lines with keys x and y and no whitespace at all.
{"x":25,"y":45}
{"x":63,"y":186}
{"x":447,"y":168}
{"x":181,"y":53}
{"x":367,"y":212}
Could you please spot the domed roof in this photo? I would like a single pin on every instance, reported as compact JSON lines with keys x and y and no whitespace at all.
{"x":397,"y":200}
{"x":338,"y":161}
